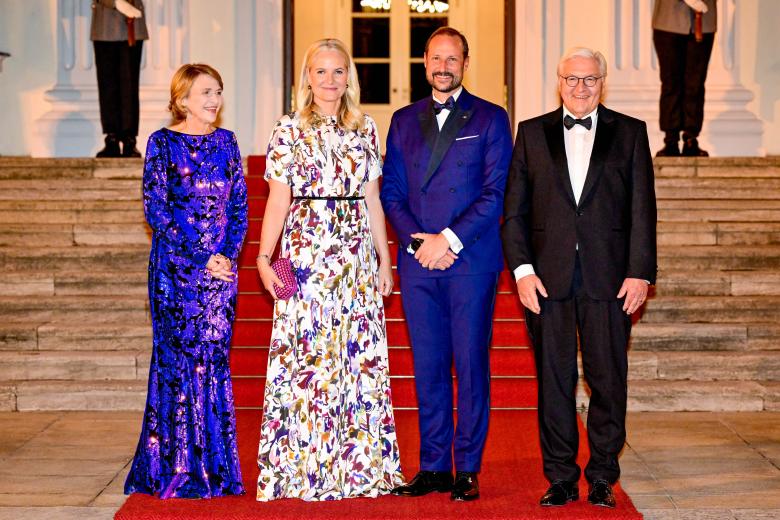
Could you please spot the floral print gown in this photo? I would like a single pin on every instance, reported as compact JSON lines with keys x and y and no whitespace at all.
{"x":328,"y":430}
{"x":195,"y":202}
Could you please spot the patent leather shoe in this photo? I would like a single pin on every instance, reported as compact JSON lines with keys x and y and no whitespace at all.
{"x":111,"y":149}
{"x":691,"y":148}
{"x":560,"y":493}
{"x":670,"y":150}
{"x":466,"y":486}
{"x":129,"y":149}
{"x":601,"y":494}
{"x":425,"y":482}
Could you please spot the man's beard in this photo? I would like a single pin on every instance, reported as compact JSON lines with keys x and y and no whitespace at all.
{"x":453,"y":86}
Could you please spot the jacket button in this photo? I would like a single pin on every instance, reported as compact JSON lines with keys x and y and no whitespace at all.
{"x":579,"y":213}
{"x":460,"y":163}
{"x":452,"y":190}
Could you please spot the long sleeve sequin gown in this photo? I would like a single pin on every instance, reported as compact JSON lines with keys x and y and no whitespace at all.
{"x":328,"y":430}
{"x":195,"y":202}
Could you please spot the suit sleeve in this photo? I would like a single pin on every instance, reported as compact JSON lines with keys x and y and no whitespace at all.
{"x":515,"y":234}
{"x":485,"y":211}
{"x":395,"y":189}
{"x":642,"y":259}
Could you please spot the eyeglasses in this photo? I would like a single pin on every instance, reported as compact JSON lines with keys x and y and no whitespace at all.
{"x":573,"y":81}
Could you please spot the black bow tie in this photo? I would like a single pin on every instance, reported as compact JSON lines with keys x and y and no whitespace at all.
{"x":449,"y":105}
{"x":569,"y":122}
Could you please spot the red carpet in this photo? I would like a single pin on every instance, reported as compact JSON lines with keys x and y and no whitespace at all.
{"x":511,"y":480}
{"x":511,"y":483}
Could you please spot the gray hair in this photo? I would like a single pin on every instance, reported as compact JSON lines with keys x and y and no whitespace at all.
{"x":584,"y":52}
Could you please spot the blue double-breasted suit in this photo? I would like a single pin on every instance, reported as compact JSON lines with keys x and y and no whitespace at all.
{"x":432,"y":180}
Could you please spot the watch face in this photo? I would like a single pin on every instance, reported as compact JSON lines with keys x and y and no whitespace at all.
{"x":416,"y":243}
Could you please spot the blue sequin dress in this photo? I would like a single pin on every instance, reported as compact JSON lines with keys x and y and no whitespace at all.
{"x":195,"y":202}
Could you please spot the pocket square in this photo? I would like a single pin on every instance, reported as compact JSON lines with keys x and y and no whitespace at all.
{"x":466,"y":137}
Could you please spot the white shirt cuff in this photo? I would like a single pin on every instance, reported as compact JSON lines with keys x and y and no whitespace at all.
{"x":523,"y":270}
{"x":455,"y":244}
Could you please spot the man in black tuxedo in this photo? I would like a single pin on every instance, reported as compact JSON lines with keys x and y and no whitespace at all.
{"x":579,"y":235}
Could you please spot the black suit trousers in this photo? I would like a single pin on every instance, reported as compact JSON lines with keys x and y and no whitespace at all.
{"x":603,"y":329}
{"x":683,"y":63}
{"x":118,"y":70}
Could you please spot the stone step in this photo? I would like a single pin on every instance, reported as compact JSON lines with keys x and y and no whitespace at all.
{"x":703,"y":396}
{"x":718,"y":233}
{"x":688,"y":336}
{"x":711,"y":309}
{"x":674,"y":282}
{"x":705,"y":366}
{"x":74,"y":337}
{"x":77,"y":395}
{"x":714,"y":167}
{"x":69,"y":189}
{"x":61,"y":235}
{"x":717,"y":188}
{"x":72,"y":366}
{"x":719,"y":211}
{"x":79,"y":283}
{"x":71,"y":212}
{"x":76,"y":168}
{"x":718,"y":257}
{"x":54,"y":259}
{"x":75,"y":309}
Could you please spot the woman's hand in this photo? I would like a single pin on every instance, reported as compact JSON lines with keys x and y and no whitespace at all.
{"x":220,"y":267}
{"x":385,"y":278}
{"x":268,"y":276}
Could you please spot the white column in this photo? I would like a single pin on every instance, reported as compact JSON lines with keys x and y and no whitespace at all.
{"x":633,"y":83}
{"x":72,"y":127}
{"x":258,"y":72}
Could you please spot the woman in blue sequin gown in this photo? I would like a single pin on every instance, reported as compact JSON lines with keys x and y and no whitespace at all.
{"x":195,"y":202}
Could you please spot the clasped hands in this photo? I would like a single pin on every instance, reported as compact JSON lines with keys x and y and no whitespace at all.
{"x":434,"y":252}
{"x":127,"y":9}
{"x":634,"y":290}
{"x":220,"y":267}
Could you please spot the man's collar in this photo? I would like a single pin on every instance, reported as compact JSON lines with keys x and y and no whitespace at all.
{"x":455,"y":95}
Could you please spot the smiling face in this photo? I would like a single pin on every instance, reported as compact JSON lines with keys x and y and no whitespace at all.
{"x":328,"y":80}
{"x":204,"y":101}
{"x":580,"y":100}
{"x":445,"y":64}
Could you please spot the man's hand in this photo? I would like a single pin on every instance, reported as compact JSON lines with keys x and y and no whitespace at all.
{"x":433,"y":249}
{"x":527,"y":287}
{"x":635,"y":291}
{"x":127,"y":9}
{"x":446,"y":262}
{"x":697,"y":5}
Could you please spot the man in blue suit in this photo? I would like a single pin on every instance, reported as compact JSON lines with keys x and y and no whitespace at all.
{"x":443,"y":190}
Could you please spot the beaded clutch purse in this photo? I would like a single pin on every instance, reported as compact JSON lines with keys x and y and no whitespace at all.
{"x":284,"y":270}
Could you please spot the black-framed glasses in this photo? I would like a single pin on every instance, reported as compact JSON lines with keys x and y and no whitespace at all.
{"x":573,"y":81}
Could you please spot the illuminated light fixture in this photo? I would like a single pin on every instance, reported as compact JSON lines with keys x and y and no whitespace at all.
{"x":376,"y":4}
{"x":422,"y":6}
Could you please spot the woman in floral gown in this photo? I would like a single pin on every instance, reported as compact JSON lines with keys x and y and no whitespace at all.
{"x":328,"y":430}
{"x":195,"y":203}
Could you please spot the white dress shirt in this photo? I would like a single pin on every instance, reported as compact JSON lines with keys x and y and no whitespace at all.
{"x":578,"y":142}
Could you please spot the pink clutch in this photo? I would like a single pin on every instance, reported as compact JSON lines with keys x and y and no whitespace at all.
{"x":284,"y":270}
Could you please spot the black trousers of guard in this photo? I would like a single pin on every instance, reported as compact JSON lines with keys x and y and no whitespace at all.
{"x":604,"y":329}
{"x":118,"y":70}
{"x":683,"y":62}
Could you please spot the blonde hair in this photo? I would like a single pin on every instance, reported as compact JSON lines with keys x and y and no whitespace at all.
{"x":350,"y":116}
{"x":181,"y":83}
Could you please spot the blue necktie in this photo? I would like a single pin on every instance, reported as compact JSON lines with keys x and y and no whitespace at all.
{"x":569,"y":122}
{"x":449,"y":105}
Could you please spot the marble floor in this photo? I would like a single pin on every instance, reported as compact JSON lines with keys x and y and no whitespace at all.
{"x":71,"y":465}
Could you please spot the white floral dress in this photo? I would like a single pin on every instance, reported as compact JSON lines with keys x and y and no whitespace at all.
{"x":328,"y":430}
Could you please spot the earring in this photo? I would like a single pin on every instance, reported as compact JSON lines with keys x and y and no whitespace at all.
{"x":308,"y":87}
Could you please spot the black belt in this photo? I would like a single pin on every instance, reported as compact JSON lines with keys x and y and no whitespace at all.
{"x":328,"y":198}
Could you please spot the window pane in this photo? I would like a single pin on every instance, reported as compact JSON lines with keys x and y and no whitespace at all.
{"x":371,"y":37}
{"x":420,"y":86}
{"x":371,"y":6}
{"x":374,"y":82}
{"x":429,"y":6}
{"x":421,"y":29}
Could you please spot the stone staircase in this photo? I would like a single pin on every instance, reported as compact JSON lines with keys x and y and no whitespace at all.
{"x":74,"y":323}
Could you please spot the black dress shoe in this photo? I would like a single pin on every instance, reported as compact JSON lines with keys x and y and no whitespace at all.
{"x":691,"y":148}
{"x":601,"y":494}
{"x":466,"y":486}
{"x":129,"y":149}
{"x":111,"y":149}
{"x":670,"y":150}
{"x":560,"y":493}
{"x":425,"y":482}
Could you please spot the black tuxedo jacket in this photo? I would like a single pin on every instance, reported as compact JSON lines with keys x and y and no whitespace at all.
{"x":614,"y":223}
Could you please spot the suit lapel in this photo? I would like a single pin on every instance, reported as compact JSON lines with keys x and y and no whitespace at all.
{"x":553,"y":131}
{"x":428,"y":124}
{"x":605,"y":134}
{"x":446,"y":136}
